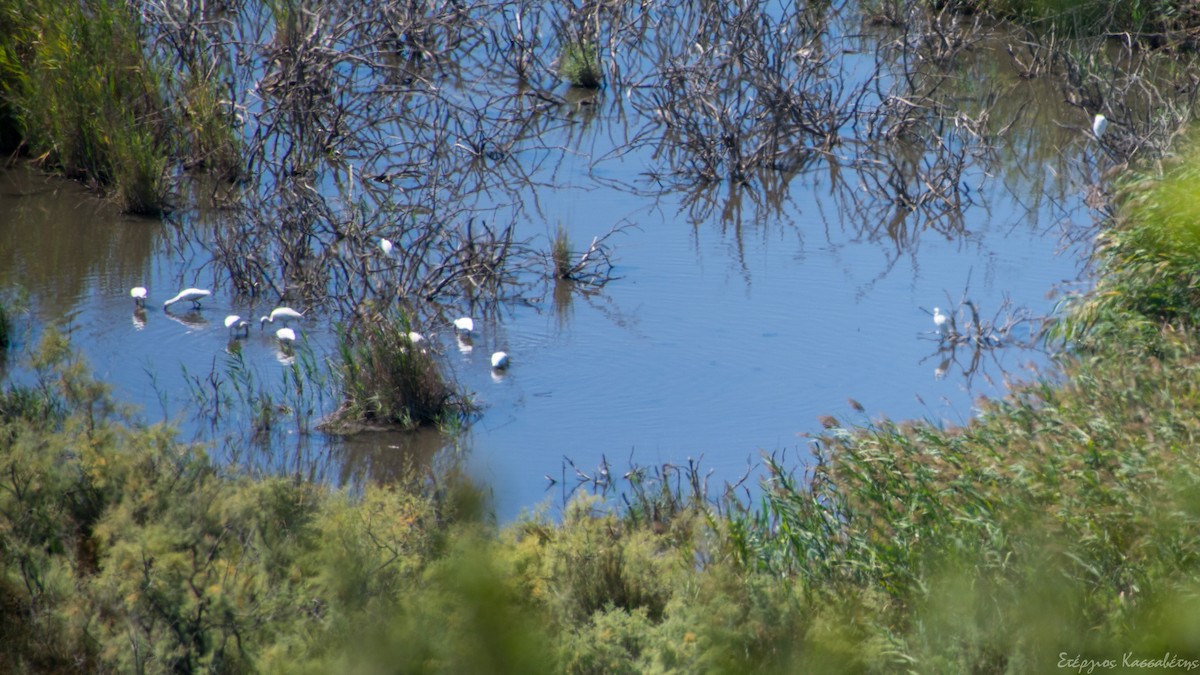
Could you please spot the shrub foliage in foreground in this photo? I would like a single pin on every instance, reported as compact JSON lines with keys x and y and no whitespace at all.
{"x":1061,"y":526}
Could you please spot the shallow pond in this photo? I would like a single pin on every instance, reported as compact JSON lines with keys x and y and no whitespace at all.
{"x":739,"y":316}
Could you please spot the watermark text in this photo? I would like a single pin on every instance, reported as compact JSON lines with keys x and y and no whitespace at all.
{"x":1085,"y":664}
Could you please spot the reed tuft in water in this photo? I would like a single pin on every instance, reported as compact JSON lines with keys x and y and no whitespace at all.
{"x":388,"y":380}
{"x":579,"y":63}
{"x":560,"y":253}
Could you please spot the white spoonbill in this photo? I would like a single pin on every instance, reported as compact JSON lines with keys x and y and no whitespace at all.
{"x":1099,"y":124}
{"x":138,"y":293}
{"x":500,"y":360}
{"x":283,"y":314}
{"x":237,"y":326}
{"x":415,"y":337}
{"x":195,"y":295}
{"x":939,"y":319}
{"x":386,"y":246}
{"x":464,"y":324}
{"x":285,"y":335}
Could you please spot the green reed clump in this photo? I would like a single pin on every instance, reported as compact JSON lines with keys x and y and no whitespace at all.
{"x":579,"y":63}
{"x":209,"y":125}
{"x":388,"y":380}
{"x":560,"y":254}
{"x":1064,"y":518}
{"x":87,"y":100}
{"x":1149,"y":261}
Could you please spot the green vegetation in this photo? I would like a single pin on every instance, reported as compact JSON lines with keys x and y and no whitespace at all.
{"x":79,"y":93}
{"x":1151,"y":278}
{"x":560,"y":254}
{"x":1151,"y":19}
{"x":388,"y":378}
{"x":208,"y":129}
{"x":579,"y":64}
{"x":1060,"y":526}
{"x":86,"y":99}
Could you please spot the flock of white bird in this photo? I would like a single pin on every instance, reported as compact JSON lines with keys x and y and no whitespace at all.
{"x":239,"y":327}
{"x":463,"y":326}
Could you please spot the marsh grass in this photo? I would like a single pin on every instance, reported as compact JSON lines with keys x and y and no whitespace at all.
{"x":387,"y":381}
{"x":579,"y":63}
{"x":560,"y":254}
{"x":87,"y":100}
{"x":1060,"y":517}
{"x":1156,"y":23}
{"x":210,"y":126}
{"x":1149,"y":262}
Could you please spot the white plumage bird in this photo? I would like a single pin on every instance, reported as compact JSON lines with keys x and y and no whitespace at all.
{"x":386,"y":246}
{"x":286,"y":335}
{"x":939,"y":319}
{"x":1099,"y":124}
{"x":138,"y":293}
{"x":237,"y":326}
{"x":283,"y":314}
{"x":194,"y":295}
{"x":499,"y":360}
{"x":464,"y":324}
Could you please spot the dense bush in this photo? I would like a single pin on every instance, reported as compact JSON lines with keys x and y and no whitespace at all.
{"x":1065,"y":520}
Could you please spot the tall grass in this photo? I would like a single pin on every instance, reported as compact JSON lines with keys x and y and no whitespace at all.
{"x":1149,"y":261}
{"x":560,"y":254}
{"x":1155,"y":21}
{"x":387,"y":380}
{"x":210,"y":125}
{"x":86,"y":100}
{"x":1064,"y":519}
